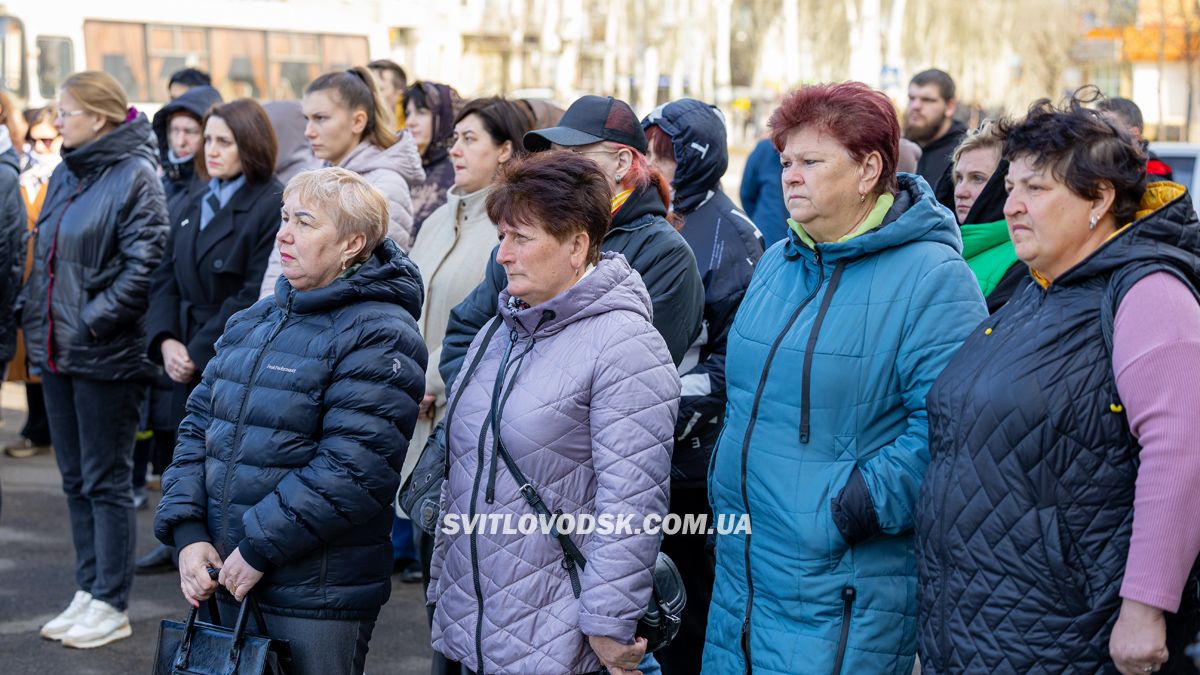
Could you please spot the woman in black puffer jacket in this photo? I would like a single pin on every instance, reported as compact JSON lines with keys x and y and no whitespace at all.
{"x":290,"y":456}
{"x":98,"y":237}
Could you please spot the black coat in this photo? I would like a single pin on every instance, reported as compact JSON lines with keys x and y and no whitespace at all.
{"x":939,"y":154}
{"x":293,"y":443}
{"x":1025,"y":515}
{"x":650,"y":245}
{"x":208,"y":276}
{"x":12,"y":251}
{"x":101,"y":234}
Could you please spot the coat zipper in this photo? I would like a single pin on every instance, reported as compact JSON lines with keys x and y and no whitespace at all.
{"x":237,"y":431}
{"x":848,"y":594}
{"x":762,"y":383}
{"x":480,"y":460}
{"x":806,"y":372}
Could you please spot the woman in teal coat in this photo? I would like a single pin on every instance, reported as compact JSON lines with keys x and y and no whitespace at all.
{"x":845,"y":326}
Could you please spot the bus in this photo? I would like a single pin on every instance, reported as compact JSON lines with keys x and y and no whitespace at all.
{"x":261,"y":49}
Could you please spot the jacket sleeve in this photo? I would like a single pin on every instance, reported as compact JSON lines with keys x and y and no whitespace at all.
{"x":748,"y":190}
{"x":881,"y":492}
{"x":635,"y":397}
{"x":162,"y":317}
{"x":12,"y":262}
{"x":182,"y":515}
{"x":676,"y":292}
{"x":141,"y":232}
{"x":471,"y":315}
{"x":370,"y":409}
{"x":201,"y":346}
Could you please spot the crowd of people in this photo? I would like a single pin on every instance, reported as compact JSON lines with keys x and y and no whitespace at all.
{"x":948,"y":374}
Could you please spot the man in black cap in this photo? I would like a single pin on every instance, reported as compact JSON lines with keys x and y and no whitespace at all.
{"x":607,"y":131}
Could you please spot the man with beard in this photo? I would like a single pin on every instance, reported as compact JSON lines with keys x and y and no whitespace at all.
{"x":929,"y":122}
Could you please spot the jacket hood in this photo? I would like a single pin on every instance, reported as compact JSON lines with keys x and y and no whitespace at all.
{"x":295,"y":154}
{"x":639,"y":210}
{"x":613,"y":285}
{"x":1166,"y":231}
{"x":915,"y":216}
{"x":989,"y":206}
{"x":133,"y":138}
{"x":697,"y":132}
{"x":387,"y":276}
{"x":402,"y":158}
{"x":195,"y":102}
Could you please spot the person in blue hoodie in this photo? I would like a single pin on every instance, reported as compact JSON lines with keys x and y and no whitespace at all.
{"x":845,"y":326}
{"x":688,"y":145}
{"x":761,"y":192}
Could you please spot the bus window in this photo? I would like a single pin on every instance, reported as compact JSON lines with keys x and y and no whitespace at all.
{"x":119,"y":49}
{"x":56,"y":60}
{"x":239,"y":62}
{"x":342,"y":52}
{"x":173,"y":48}
{"x":12,"y":56}
{"x":295,"y":61}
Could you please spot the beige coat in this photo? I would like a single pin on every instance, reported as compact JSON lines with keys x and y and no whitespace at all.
{"x":452,"y":251}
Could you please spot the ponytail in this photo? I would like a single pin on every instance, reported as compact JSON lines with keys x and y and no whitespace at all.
{"x":356,"y":89}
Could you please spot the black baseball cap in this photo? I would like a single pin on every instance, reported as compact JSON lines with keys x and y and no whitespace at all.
{"x":592,"y":119}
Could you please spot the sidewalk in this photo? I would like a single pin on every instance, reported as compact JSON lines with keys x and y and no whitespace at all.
{"x":37,"y":581}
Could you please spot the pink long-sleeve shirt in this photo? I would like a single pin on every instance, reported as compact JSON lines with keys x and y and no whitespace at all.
{"x":1156,"y":358}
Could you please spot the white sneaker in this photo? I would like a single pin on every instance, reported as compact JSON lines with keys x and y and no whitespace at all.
{"x":100,"y":624}
{"x":57,"y":627}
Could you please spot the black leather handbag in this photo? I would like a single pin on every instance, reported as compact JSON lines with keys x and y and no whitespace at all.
{"x":200,"y":648}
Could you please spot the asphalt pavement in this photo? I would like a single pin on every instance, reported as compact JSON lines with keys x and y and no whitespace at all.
{"x":37,"y":581}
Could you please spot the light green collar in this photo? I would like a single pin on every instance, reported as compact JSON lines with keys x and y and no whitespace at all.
{"x":873,"y":220}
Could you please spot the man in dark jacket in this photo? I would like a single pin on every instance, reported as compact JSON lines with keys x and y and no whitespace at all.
{"x":688,"y":144}
{"x":1128,"y":115}
{"x":639,"y":231}
{"x":762,"y":192}
{"x":12,"y":252}
{"x":178,"y":128}
{"x":929,"y":122}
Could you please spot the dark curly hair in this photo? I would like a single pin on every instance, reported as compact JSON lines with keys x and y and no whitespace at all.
{"x":1083,"y":149}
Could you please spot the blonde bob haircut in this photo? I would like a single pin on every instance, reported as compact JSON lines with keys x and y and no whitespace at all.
{"x":355,"y":206}
{"x":98,"y":93}
{"x":990,"y":134}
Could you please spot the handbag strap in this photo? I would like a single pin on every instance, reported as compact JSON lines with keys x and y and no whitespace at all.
{"x":487,"y":338}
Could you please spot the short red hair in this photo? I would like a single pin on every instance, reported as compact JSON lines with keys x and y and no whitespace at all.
{"x":861,"y":119}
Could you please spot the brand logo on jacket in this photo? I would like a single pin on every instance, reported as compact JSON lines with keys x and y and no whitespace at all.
{"x":272,"y":366}
{"x":396,"y":366}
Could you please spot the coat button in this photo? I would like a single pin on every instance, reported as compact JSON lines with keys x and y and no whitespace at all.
{"x":218,"y":263}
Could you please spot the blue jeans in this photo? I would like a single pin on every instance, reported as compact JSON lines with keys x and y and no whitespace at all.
{"x":319,"y":646}
{"x":93,"y":423}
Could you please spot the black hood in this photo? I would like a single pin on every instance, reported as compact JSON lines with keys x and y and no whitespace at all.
{"x":195,"y":102}
{"x":634,"y":213}
{"x":133,"y":138}
{"x":698,"y":137}
{"x":387,"y":276}
{"x":1169,"y":235}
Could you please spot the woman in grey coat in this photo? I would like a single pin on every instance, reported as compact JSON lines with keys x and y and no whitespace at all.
{"x":584,"y":394}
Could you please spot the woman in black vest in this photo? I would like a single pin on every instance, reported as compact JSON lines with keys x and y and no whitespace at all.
{"x":1057,"y":523}
{"x":216,"y":254}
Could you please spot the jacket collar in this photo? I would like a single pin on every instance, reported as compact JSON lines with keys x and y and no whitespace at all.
{"x":387,"y":276}
{"x":473,"y":206}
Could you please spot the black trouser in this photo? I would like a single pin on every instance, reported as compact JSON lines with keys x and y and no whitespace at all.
{"x":697,"y":566}
{"x":37,"y":425}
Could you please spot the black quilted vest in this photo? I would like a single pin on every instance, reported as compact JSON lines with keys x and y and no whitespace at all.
{"x":1024,"y":519}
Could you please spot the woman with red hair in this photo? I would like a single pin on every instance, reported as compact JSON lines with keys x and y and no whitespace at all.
{"x":842,"y":331}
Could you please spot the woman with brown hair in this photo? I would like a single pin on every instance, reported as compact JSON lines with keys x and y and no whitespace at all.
{"x":99,"y":236}
{"x":215,"y":256}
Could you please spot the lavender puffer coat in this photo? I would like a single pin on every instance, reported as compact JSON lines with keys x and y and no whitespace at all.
{"x":590,"y":421}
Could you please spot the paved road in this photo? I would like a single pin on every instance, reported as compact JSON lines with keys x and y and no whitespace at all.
{"x":37,"y":581}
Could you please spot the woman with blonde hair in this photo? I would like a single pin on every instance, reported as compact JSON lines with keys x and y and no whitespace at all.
{"x":290,"y":454}
{"x":99,"y":235}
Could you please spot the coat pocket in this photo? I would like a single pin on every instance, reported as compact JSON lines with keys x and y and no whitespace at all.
{"x":1065,"y":577}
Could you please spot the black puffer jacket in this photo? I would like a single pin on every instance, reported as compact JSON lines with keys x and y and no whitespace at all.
{"x":12,"y":252}
{"x":1024,"y":519}
{"x":294,"y":439}
{"x":180,"y":181}
{"x":101,"y":234}
{"x":726,"y":245}
{"x":641,"y":233}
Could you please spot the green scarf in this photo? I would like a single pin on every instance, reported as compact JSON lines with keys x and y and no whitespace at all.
{"x":873,"y":220}
{"x":989,"y":251}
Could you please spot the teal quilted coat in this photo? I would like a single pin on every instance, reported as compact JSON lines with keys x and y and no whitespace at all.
{"x":826,"y":442}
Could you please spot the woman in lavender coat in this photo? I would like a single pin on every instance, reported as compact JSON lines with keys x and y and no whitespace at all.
{"x":584,"y":393}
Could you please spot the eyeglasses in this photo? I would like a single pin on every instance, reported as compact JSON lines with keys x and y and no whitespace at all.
{"x":593,"y":152}
{"x":64,"y":114}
